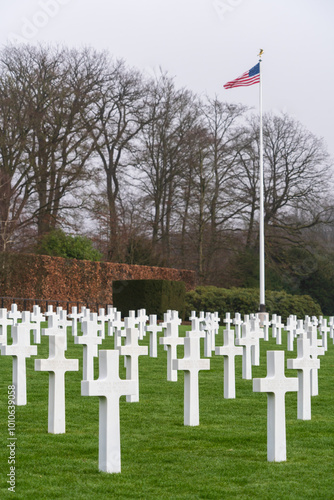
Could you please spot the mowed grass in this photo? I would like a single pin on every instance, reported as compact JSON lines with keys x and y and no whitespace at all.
{"x":224,"y":457}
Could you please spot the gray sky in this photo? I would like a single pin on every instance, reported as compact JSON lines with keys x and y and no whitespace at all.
{"x":203,"y":44}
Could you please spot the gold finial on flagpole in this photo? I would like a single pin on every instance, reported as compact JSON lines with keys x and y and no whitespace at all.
{"x":260,"y":53}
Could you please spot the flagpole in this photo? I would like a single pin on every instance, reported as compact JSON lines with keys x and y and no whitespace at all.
{"x":261,"y":232}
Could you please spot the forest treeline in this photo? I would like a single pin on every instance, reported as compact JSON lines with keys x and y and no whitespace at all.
{"x":154,"y":174}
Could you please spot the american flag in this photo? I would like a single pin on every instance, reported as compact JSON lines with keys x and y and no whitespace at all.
{"x":246,"y":79}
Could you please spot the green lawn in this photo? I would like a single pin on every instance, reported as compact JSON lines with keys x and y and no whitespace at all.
{"x":224,"y":457}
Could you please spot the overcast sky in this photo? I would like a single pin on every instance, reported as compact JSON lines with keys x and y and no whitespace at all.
{"x":203,"y":44}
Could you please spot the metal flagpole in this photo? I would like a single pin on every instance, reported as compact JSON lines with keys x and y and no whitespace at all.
{"x":261,"y":234}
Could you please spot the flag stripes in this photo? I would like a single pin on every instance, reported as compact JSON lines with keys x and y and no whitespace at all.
{"x":246,"y":79}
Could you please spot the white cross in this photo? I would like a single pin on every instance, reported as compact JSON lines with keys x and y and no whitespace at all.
{"x":247,"y":342}
{"x":171,"y":340}
{"x":237,"y":325}
{"x":228,"y":320}
{"x":132,"y":319}
{"x":37,"y":317}
{"x":103,"y":319}
{"x":191,"y":364}
{"x":315,"y":351}
{"x":216,"y":321}
{"x":132,"y":350}
{"x":57,"y":365}
{"x":209,"y":339}
{"x":141,"y":321}
{"x":99,"y":326}
{"x":20,"y":349}
{"x":273,"y":326}
{"x":109,"y":387}
{"x":63,"y":322}
{"x":257,"y":333}
{"x":229,"y":351}
{"x":111,"y":315}
{"x":4,"y":323}
{"x":90,"y":340}
{"x":266,"y":324}
{"x":290,"y":328}
{"x":153,"y":328}
{"x":279,"y":325}
{"x":324,"y":329}
{"x":300,"y":330}
{"x":50,"y":311}
{"x":304,"y":364}
{"x":276,"y":385}
{"x":331,"y":327}
{"x":14,"y":314}
{"x":196,"y":329}
{"x":75,"y":316}
{"x":54,"y":329}
{"x":193,"y":315}
{"x":118,"y":325}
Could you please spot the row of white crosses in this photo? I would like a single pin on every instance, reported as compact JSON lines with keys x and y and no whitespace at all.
{"x":247,"y":335}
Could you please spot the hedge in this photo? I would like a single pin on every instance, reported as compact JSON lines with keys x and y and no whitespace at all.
{"x":156,"y":296}
{"x":246,"y":301}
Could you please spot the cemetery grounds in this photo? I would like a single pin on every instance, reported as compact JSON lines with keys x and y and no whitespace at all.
{"x":224,"y":457}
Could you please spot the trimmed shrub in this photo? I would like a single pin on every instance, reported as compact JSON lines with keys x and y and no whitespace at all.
{"x":246,"y":301}
{"x":156,"y":296}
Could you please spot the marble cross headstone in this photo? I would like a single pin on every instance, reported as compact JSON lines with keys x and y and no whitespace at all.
{"x":216,"y":321}
{"x":109,"y":387}
{"x":75,"y":316}
{"x":193,"y":315}
{"x":141,"y":321}
{"x":196,"y":329}
{"x":290,"y":328}
{"x":111,"y":315}
{"x":315,"y":351}
{"x":118,"y":326}
{"x":63,"y":322}
{"x":53,"y":328}
{"x":257,"y":333}
{"x":266,"y":324}
{"x":209,"y":339}
{"x":276,"y":385}
{"x":90,"y":340}
{"x":191,"y":364}
{"x":20,"y":349}
{"x":324,"y":329}
{"x":153,"y":328}
{"x":273,"y":325}
{"x":171,"y":340}
{"x":304,"y":364}
{"x":279,"y":325}
{"x":246,"y":341}
{"x":331,"y":327}
{"x":237,"y":321}
{"x":4,"y":322}
{"x":37,"y":318}
{"x":14,"y":314}
{"x":229,"y":351}
{"x":57,"y":365}
{"x":103,"y":319}
{"x":132,"y":350}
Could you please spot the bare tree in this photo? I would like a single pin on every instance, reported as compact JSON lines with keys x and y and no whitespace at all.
{"x":163,"y":157}
{"x":296,"y":177}
{"x":58,"y":88}
{"x":120,"y":116}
